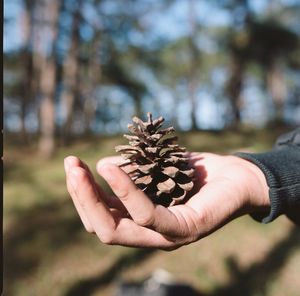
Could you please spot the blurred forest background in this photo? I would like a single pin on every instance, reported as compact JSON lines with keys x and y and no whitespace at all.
{"x":74,"y":68}
{"x":225,"y":73}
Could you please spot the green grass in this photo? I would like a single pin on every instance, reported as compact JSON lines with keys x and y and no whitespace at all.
{"x":46,"y":249}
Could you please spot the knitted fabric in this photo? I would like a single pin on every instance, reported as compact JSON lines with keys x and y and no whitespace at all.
{"x":281,"y":167}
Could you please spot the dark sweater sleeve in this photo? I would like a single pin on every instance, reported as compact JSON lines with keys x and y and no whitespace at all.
{"x":281,"y":167}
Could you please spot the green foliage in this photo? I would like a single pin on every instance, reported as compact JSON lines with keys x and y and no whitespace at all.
{"x":117,"y":47}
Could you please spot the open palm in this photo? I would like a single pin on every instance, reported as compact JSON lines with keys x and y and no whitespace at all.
{"x":225,"y":188}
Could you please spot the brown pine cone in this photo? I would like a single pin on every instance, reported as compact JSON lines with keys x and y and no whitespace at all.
{"x":160,"y":168}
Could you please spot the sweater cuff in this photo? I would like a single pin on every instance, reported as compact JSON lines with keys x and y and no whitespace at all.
{"x":281,"y":169}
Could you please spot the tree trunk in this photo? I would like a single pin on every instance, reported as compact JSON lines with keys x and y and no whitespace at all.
{"x":238,"y":62}
{"x":193,"y":100}
{"x":27,"y":38}
{"x":48,"y":86}
{"x":277,"y":88}
{"x":94,"y":76}
{"x":194,"y":65}
{"x":47,"y":109}
{"x":234,"y":88}
{"x":138,"y":104}
{"x":71,"y":75}
{"x":23,"y":111}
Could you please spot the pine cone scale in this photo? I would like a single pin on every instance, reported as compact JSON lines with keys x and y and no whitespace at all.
{"x":171,"y":171}
{"x":186,"y":186}
{"x":166,"y":186}
{"x":144,"y":180}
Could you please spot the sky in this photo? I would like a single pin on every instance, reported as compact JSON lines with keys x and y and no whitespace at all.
{"x":172,"y":23}
{"x":12,"y":32}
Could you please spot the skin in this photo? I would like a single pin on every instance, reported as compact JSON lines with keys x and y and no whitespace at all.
{"x":226,"y":187}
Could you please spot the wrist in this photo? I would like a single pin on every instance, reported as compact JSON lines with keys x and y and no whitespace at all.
{"x":258,"y":189}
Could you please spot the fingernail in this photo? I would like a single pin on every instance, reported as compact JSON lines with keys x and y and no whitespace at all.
{"x":72,"y":179}
{"x":66,"y":164}
{"x":106,"y":172}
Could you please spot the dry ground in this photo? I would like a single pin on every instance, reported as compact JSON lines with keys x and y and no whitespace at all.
{"x":47,"y":252}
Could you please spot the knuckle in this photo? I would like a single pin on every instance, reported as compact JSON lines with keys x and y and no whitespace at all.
{"x":146,"y":220}
{"x":170,"y":248}
{"x":82,"y":203}
{"x":125,"y":187}
{"x":123,"y":193}
{"x":89,"y":228}
{"x":121,"y":189}
{"x":204,"y":218}
{"x":107,"y":238}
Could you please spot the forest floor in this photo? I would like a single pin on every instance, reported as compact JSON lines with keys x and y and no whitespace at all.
{"x":48,"y":252}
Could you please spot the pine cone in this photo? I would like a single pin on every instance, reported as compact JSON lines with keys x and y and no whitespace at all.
{"x":160,"y":168}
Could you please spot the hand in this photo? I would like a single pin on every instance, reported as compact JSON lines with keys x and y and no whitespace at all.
{"x":226,"y":187}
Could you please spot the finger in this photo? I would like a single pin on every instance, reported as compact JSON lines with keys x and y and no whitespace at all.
{"x":68,"y":163}
{"x":135,"y":201}
{"x":127,"y":233}
{"x":111,"y":159}
{"x":114,"y":203}
{"x":76,"y":162}
{"x":73,"y":161}
{"x":93,"y":206}
{"x":117,"y":160}
{"x":111,"y":201}
{"x":139,"y":206}
{"x":130,"y":234}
